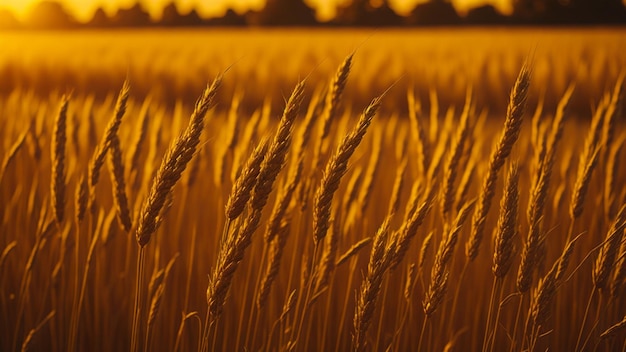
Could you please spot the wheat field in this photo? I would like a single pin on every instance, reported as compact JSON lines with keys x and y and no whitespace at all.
{"x":283,"y":193}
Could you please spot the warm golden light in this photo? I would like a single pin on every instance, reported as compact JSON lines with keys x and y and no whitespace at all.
{"x":84,"y":9}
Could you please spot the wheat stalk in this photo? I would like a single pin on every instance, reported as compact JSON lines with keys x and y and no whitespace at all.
{"x":112,"y":128}
{"x":333,"y":98}
{"x":116,"y":167}
{"x":10,"y":155}
{"x":137,"y":146}
{"x":507,"y":225}
{"x":173,"y":164}
{"x":402,"y":240}
{"x":276,"y":252}
{"x":398,"y":185}
{"x":609,"y":251}
{"x":454,"y":159}
{"x":59,"y":139}
{"x":282,"y":203}
{"x":587,"y":163}
{"x":232,"y":251}
{"x":245,"y":182}
{"x":336,"y":168}
{"x":380,"y":258}
{"x":419,"y":133}
{"x":512,"y":126}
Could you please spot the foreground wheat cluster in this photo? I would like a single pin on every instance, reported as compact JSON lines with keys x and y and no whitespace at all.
{"x":325,"y":226}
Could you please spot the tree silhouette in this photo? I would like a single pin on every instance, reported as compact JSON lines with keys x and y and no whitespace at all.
{"x":569,"y":11}
{"x":99,"y":19}
{"x":364,"y":13}
{"x":135,"y":16}
{"x":284,"y":13}
{"x":172,"y":17}
{"x":434,"y":12}
{"x":607,"y":11}
{"x":230,"y":18}
{"x":49,"y":14}
{"x":486,"y":14}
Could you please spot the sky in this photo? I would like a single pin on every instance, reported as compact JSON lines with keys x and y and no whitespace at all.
{"x":84,"y":9}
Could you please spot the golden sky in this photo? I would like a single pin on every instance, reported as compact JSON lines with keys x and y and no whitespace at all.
{"x":83,"y":9}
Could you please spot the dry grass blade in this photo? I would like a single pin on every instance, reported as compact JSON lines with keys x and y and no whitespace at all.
{"x":5,"y":253}
{"x":15,"y":147}
{"x":614,"y":330}
{"x":28,"y":342}
{"x":353,"y":250}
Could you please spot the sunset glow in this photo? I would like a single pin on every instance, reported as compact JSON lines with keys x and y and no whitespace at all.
{"x":84,"y":9}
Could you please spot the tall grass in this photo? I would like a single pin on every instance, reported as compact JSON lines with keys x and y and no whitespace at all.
{"x":313,"y":241}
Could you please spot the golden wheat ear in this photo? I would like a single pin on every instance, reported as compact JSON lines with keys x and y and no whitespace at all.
{"x":508,"y":137}
{"x":59,"y":140}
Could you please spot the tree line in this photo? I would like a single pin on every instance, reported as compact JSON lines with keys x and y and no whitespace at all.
{"x":52,"y":14}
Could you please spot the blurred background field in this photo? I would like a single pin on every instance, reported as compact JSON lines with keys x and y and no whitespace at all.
{"x":443,"y":115}
{"x":177,"y":64}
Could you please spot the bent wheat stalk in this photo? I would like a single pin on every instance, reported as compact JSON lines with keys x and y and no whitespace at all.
{"x":172,"y":166}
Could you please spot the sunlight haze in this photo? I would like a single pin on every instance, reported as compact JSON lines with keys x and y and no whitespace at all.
{"x":84,"y":9}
